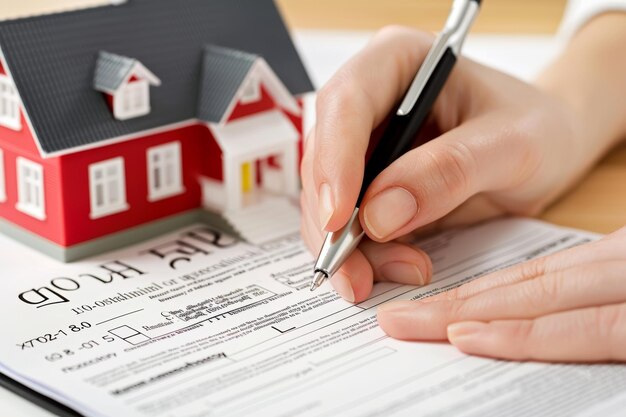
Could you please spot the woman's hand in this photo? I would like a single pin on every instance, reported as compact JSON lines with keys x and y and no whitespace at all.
{"x":570,"y":306}
{"x":499,"y":146}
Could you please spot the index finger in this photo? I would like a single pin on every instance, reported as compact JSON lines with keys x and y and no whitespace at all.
{"x":349,"y":107}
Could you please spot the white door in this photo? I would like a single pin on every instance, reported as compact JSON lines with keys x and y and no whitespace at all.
{"x":272,"y":175}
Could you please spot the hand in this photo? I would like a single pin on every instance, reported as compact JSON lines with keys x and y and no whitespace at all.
{"x":570,"y":306}
{"x":500,"y":146}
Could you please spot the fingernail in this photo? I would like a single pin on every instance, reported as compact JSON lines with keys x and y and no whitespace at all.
{"x":402,"y":273}
{"x":462,"y":331}
{"x":388,"y":211}
{"x":343,"y":286}
{"x":326,"y":204}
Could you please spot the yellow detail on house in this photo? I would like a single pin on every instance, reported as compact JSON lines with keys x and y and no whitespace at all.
{"x":246,"y":177}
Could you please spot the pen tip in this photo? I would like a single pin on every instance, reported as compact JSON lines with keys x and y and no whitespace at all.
{"x":318,"y":279}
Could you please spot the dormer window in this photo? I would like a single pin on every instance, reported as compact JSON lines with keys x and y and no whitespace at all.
{"x":125,"y":82}
{"x":132,"y":99}
{"x":9,"y":104}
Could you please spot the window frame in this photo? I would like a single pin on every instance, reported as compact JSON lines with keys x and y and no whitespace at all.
{"x":165,"y":190}
{"x":27,"y":186}
{"x":8,"y":94}
{"x":103,"y":168}
{"x":132,"y":100}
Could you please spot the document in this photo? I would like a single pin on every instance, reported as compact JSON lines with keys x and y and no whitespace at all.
{"x":196,"y":323}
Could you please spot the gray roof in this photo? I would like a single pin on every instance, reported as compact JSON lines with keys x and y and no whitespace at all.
{"x":223,"y":71}
{"x":111,"y":70}
{"x":52,"y":59}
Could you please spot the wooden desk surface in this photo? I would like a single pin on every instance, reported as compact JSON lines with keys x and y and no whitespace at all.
{"x":598,"y":203}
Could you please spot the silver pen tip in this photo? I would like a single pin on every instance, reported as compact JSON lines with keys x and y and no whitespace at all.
{"x":318,"y":279}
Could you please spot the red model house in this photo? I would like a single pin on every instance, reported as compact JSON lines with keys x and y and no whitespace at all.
{"x":120,"y":122}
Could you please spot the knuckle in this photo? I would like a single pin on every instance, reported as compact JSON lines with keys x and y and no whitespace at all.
{"x":454,"y":165}
{"x":340,"y":91}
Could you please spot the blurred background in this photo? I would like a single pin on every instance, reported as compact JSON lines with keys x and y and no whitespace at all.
{"x":497,"y":16}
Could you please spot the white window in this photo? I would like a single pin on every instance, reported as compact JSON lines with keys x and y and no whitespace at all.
{"x":30,"y":189}
{"x":107,"y":187}
{"x":251,"y":90}
{"x":9,"y":104}
{"x":132,"y":100}
{"x":3,"y":191}
{"x":164,"y":171}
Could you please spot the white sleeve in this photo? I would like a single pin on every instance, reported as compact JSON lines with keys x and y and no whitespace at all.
{"x":578,"y":12}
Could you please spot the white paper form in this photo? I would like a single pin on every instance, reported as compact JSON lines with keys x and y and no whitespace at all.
{"x":196,"y":324}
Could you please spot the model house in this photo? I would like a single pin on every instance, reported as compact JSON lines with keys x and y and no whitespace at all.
{"x":121,"y":122}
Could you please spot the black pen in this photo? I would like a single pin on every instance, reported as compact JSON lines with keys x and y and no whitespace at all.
{"x":400,"y":135}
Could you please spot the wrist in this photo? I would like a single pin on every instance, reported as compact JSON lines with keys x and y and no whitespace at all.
{"x":588,"y":80}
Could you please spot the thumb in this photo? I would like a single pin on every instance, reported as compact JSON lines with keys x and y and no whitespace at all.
{"x":430,"y":181}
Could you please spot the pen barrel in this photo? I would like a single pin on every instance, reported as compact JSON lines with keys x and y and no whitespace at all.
{"x":339,"y":245}
{"x":400,"y":134}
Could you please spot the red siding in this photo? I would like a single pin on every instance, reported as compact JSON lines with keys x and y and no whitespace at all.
{"x":109,"y":99}
{"x":21,"y":143}
{"x":75,"y":168}
{"x":66,"y":180}
{"x":52,"y":227}
{"x":214,"y":168}
{"x":266,"y":102}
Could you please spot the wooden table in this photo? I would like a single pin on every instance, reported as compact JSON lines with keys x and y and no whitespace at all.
{"x":598,"y":203}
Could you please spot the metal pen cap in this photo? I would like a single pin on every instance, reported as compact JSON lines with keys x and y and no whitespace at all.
{"x":337,"y":248}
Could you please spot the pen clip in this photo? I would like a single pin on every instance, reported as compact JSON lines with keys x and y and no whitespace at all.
{"x":457,"y":26}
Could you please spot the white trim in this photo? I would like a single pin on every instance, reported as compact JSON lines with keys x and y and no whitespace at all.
{"x":235,"y":99}
{"x":9,"y":104}
{"x":254,"y":136}
{"x":30,"y":188}
{"x":265,"y":76}
{"x":124,"y":138}
{"x":140,"y":71}
{"x":3,"y":184}
{"x":164,"y":171}
{"x":277,"y":89}
{"x":107,"y":188}
{"x":251,"y":89}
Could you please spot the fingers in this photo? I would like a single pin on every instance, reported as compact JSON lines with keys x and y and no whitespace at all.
{"x":599,"y":251}
{"x":590,"y":285}
{"x":397,"y":262}
{"x":349,"y":107}
{"x":384,"y":262}
{"x":585,"y":335}
{"x":432,"y":180}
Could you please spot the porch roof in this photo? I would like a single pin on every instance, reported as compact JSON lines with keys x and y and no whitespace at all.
{"x":254,"y":136}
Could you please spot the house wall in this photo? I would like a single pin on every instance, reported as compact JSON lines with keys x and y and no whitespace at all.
{"x":195,"y":157}
{"x":66,"y":179}
{"x":21,"y":143}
